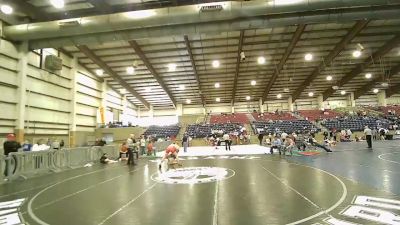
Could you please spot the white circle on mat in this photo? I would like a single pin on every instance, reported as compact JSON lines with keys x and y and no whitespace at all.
{"x":193,"y":175}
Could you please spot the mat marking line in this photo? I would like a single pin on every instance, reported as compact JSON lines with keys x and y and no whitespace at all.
{"x":30,"y":211}
{"x":128,"y":203}
{"x":387,"y":160}
{"x":339,"y":202}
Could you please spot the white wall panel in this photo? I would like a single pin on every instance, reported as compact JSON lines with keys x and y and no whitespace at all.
{"x":8,"y":63}
{"x":34,"y":114}
{"x":86,"y":110}
{"x":85,"y":120}
{"x":8,"y":48}
{"x":47,"y":102}
{"x":8,"y":94}
{"x":89,"y":91}
{"x":49,"y":77}
{"x":8,"y":111}
{"x":47,"y":88}
{"x":8,"y":76}
{"x":87,"y":100}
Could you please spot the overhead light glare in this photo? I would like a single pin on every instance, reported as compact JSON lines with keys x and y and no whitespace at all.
{"x":343,"y":92}
{"x":261,"y":60}
{"x":308,"y":57}
{"x":218,"y":99}
{"x":310,"y":94}
{"x":329,"y":78}
{"x":171,"y":67}
{"x":248,"y":98}
{"x":253,"y":82}
{"x":181,"y":87}
{"x":368,"y":75}
{"x":215,"y":64}
{"x":99,"y":72}
{"x":356,"y":53}
{"x":141,"y":14}
{"x":279,"y":96}
{"x":130,"y":70}
{"x":376,"y":90}
{"x":148,"y":89}
{"x":58,"y":4}
{"x":217,"y":85}
{"x":6,"y":9}
{"x":284,"y":2}
{"x":188,"y":101}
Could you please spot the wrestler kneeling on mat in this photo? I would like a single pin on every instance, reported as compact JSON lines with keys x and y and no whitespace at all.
{"x":171,"y":152}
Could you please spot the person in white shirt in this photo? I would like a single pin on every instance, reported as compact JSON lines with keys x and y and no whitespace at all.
{"x":349,"y":133}
{"x":284,"y":136}
{"x":228,"y":141}
{"x":142,"y":145}
{"x":368,"y":136}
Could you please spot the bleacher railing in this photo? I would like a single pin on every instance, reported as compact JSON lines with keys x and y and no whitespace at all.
{"x":27,"y":164}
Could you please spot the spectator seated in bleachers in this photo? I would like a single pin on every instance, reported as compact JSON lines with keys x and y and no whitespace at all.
{"x":277,"y":127}
{"x":204,"y":130}
{"x":356,"y":123}
{"x":229,"y":118}
{"x":162,"y":131}
{"x":318,"y":115}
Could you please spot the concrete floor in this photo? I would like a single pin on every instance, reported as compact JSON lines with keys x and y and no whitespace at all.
{"x":256,"y":189}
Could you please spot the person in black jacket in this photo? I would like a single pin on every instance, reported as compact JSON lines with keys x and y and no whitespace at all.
{"x":11,"y":145}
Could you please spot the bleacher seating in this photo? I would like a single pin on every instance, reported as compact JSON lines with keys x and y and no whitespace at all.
{"x":288,"y":126}
{"x":356,"y":123}
{"x":229,"y":118}
{"x":163,"y":131}
{"x":391,"y":109}
{"x":203,"y":130}
{"x":313,"y":115}
{"x":273,"y":116}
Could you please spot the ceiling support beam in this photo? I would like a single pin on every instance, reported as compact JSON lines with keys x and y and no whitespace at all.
{"x":367,"y":87}
{"x":387,"y":47}
{"x":238,"y":60}
{"x":279,"y":67}
{"x":353,"y":32}
{"x":101,"y":6}
{"x":189,"y":49}
{"x":85,"y":50}
{"x":393,"y":90}
{"x":148,"y":65}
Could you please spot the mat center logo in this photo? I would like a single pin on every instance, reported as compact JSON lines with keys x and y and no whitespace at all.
{"x":193,"y":175}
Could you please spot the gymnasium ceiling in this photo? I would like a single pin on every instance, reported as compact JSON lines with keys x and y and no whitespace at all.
{"x":372,"y":29}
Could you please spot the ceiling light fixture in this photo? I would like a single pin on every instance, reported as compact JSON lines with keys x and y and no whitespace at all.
{"x":329,"y":78}
{"x":308,"y":57}
{"x":248,"y":98}
{"x":356,"y":53}
{"x":6,"y":9}
{"x":253,"y":82}
{"x":171,"y":67}
{"x":215,"y":64}
{"x":181,"y":87}
{"x":279,"y":96}
{"x":188,"y":101}
{"x":368,"y":75}
{"x":217,"y":85}
{"x":57,"y":3}
{"x":218,"y":99}
{"x":148,"y":89}
{"x":261,"y":60}
{"x":99,"y":72}
{"x":376,"y":90}
{"x":343,"y":92}
{"x":130,"y":70}
{"x":310,"y":94}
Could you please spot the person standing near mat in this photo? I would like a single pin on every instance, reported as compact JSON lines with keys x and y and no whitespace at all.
{"x":228,"y":141}
{"x":368,"y":136}
{"x":185,"y":142}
